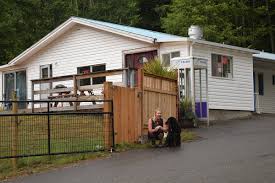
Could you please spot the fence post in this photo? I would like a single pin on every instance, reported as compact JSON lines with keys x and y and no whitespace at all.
{"x":49,"y":128}
{"x":75,"y":92}
{"x":14,"y":130}
{"x":141,"y":98}
{"x":32,"y":96}
{"x":107,"y":117}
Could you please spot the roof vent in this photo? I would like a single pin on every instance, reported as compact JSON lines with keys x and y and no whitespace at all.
{"x":195,"y":32}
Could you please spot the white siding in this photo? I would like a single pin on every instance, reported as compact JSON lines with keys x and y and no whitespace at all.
{"x":81,"y":46}
{"x":173,"y":47}
{"x":266,"y":101}
{"x":229,"y":94}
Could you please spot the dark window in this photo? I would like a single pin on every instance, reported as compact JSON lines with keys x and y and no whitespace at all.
{"x":175,"y":54}
{"x":273,"y":79}
{"x":98,"y":68}
{"x":221,"y":66}
{"x":84,"y":70}
{"x":261,"y":83}
{"x":87,"y":70}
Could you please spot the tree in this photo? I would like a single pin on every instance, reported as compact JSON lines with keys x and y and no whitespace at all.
{"x":238,"y":22}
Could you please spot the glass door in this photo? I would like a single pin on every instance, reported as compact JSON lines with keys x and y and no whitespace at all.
{"x":15,"y":81}
{"x":9,"y":85}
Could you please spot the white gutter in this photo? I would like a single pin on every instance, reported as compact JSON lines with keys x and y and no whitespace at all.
{"x":223,"y":45}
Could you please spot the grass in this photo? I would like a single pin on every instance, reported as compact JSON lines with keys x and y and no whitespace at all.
{"x":69,"y":133}
{"x":188,"y":136}
{"x":32,"y":165}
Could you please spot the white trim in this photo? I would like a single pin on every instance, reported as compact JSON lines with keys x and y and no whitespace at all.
{"x":223,"y":45}
{"x":15,"y":83}
{"x":139,"y":50}
{"x":63,"y":28}
{"x":170,"y":55}
{"x":231,"y":66}
{"x":74,"y":20}
{"x":43,"y":42}
{"x":115,"y":31}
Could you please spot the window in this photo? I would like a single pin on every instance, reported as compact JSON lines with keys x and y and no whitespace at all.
{"x":273,"y":79}
{"x":46,"y":71}
{"x":167,"y":57}
{"x":84,"y":70}
{"x":97,"y":68}
{"x":261,"y":83}
{"x":88,"y":69}
{"x":222,"y":66}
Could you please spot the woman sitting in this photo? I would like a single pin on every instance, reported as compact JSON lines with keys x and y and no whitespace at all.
{"x":156,"y":128}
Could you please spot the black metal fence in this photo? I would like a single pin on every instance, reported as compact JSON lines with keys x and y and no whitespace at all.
{"x":43,"y":128}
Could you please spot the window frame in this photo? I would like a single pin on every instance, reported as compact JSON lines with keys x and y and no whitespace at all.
{"x":231,"y":66}
{"x":91,"y":70}
{"x":170,"y":56}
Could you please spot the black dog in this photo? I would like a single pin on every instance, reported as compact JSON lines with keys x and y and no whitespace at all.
{"x":173,"y":138}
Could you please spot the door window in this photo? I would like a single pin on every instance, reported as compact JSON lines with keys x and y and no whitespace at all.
{"x":261,"y":83}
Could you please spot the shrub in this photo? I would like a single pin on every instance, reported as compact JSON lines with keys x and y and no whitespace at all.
{"x":186,"y":111}
{"x":155,"y":67}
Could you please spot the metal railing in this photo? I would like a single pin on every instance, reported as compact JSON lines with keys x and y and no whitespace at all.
{"x":25,"y":132}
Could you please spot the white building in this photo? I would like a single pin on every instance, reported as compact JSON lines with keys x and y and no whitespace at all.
{"x":82,"y":44}
{"x":264,"y":80}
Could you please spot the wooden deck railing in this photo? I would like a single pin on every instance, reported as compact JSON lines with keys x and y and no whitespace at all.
{"x":74,"y":90}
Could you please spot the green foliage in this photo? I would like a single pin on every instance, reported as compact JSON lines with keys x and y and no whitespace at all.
{"x":186,"y":110}
{"x":242,"y":23}
{"x":155,"y":67}
{"x":188,"y":136}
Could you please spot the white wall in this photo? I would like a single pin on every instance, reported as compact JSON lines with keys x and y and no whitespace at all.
{"x":225,"y":93}
{"x":173,"y":47}
{"x":80,"y":46}
{"x":266,"y":101}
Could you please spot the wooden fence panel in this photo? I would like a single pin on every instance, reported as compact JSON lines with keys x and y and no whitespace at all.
{"x":159,"y":93}
{"x":133,"y":107}
{"x":127,"y":114}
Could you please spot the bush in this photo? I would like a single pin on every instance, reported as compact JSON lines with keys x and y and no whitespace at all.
{"x":187,"y":115}
{"x":155,"y":67}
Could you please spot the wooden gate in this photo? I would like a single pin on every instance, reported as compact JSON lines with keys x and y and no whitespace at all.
{"x":134,"y":106}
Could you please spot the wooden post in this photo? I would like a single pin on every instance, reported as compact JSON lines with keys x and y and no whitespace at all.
{"x":14,"y":131}
{"x":108,"y":95}
{"x":141,"y":88}
{"x":177,"y":98}
{"x":32,"y":97}
{"x":75,"y":92}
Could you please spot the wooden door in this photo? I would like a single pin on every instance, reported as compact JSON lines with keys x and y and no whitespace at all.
{"x":136,"y":61}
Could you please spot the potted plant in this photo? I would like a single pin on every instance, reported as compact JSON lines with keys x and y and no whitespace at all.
{"x":188,"y":118}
